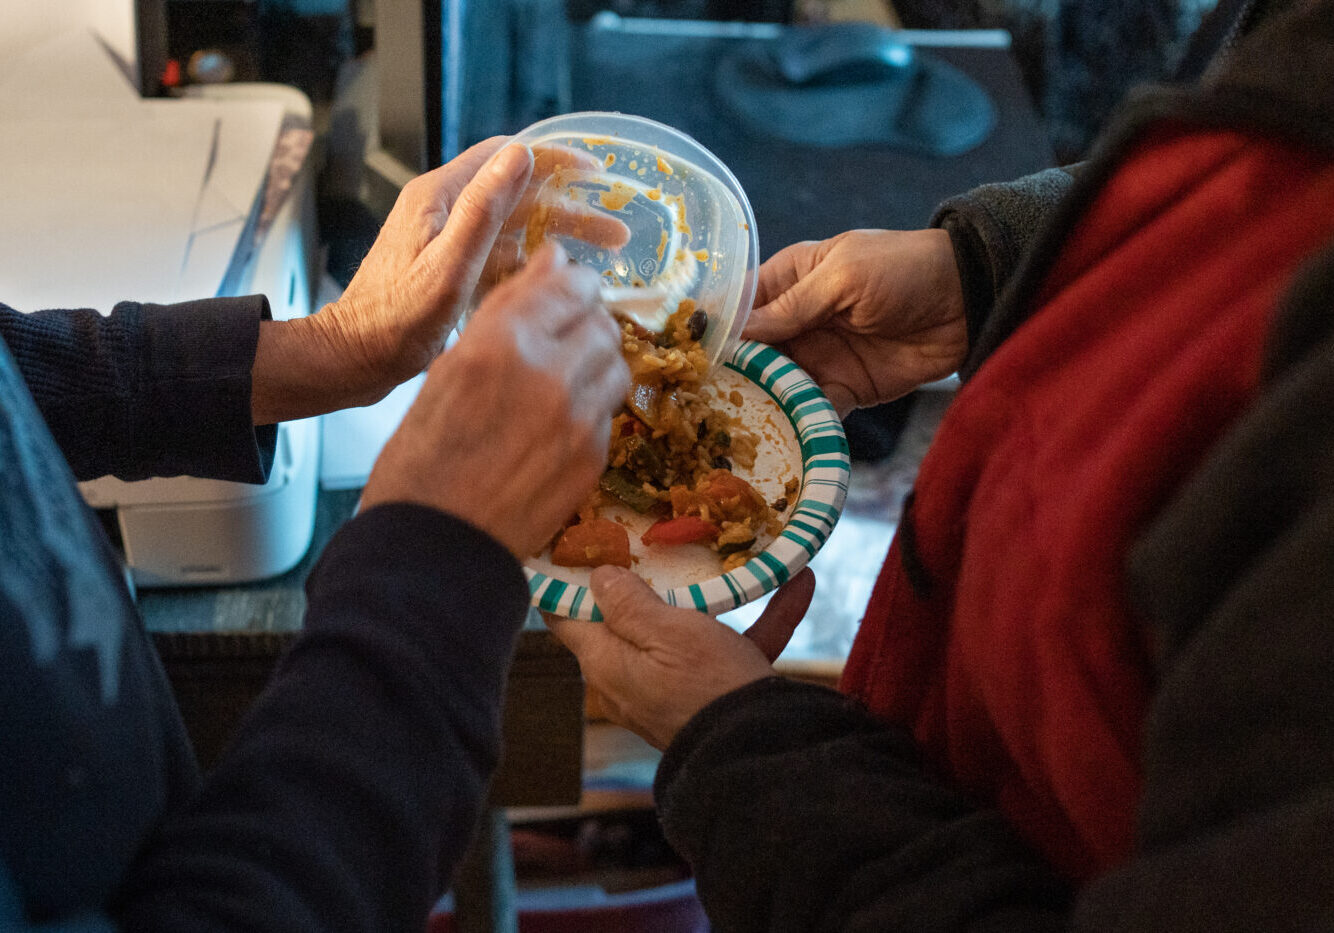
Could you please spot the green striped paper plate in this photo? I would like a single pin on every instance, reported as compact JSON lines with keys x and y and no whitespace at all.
{"x":824,"y":487}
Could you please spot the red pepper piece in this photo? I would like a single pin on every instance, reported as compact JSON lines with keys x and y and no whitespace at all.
{"x":683,"y":530}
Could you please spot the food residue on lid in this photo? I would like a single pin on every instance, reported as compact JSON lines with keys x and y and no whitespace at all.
{"x":610,"y":160}
{"x":618,"y":196}
{"x":680,"y":203}
{"x":663,"y":166}
{"x":702,"y":255}
{"x":653,"y":194}
{"x":536,"y":228}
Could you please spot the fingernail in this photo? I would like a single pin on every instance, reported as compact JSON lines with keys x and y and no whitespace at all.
{"x":512,"y":162}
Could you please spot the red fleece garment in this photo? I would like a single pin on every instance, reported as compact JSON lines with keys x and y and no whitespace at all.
{"x":999,"y":631}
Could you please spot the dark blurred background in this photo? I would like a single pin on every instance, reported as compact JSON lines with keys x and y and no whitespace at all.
{"x":1077,"y":57}
{"x":516,"y":61}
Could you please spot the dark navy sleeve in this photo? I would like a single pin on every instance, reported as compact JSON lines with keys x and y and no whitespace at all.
{"x":355,"y":783}
{"x":149,"y":390}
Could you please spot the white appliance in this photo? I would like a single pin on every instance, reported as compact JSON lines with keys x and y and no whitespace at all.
{"x":183,"y":531}
{"x":114,"y":196}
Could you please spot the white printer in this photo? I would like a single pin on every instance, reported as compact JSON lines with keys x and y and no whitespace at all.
{"x":169,"y":200}
{"x":181,"y":531}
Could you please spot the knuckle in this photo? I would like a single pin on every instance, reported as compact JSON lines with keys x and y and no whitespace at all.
{"x":475,"y":207}
{"x":415,"y":192}
{"x":843,"y":280}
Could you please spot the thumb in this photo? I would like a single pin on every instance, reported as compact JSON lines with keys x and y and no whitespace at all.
{"x":455,"y":258}
{"x":792,"y":312}
{"x":773,"y":629}
{"x":628,"y":603}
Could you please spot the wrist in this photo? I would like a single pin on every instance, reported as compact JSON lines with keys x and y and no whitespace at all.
{"x":303,"y":368}
{"x":948,"y":327}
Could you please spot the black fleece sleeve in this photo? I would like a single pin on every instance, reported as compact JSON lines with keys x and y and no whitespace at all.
{"x":355,"y":783}
{"x":990,"y":228}
{"x":149,"y":390}
{"x":798,"y":811}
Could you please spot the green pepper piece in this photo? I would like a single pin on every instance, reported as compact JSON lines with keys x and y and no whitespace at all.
{"x":735,"y":546}
{"x":627,"y":489}
{"x":643,"y":459}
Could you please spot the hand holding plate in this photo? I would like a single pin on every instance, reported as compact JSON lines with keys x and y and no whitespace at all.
{"x":869,"y":314}
{"x":655,"y":666}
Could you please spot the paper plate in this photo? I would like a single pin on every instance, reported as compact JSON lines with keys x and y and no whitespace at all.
{"x":800,"y":436}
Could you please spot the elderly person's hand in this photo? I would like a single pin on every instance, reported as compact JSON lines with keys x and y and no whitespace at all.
{"x":655,"y":666}
{"x":511,"y":427}
{"x":869,"y":314}
{"x":408,"y":292}
{"x":395,"y":314}
{"x":420,"y":275}
{"x":440,"y":245}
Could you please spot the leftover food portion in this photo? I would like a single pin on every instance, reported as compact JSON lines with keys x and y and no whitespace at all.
{"x":671,"y":459}
{"x":592,"y":543}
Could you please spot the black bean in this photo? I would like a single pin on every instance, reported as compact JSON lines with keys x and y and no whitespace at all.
{"x":697,"y":323}
{"x":722,"y":463}
{"x":779,"y":504}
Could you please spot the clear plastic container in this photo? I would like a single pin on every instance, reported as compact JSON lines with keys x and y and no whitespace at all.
{"x":689,"y":232}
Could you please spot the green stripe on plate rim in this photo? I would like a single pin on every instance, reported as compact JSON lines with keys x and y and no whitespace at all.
{"x":826,"y":469}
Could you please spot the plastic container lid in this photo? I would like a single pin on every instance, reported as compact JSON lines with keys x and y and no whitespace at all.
{"x":691,"y":229}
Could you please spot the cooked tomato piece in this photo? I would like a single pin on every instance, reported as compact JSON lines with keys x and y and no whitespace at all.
{"x":592,"y":543}
{"x":686,"y":501}
{"x":723,"y":484}
{"x":683,"y":530}
{"x":733,"y":497}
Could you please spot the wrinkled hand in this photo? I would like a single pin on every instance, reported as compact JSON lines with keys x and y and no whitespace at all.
{"x":656,"y":666}
{"x":869,"y":314}
{"x":419,"y":276}
{"x":511,"y":427}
